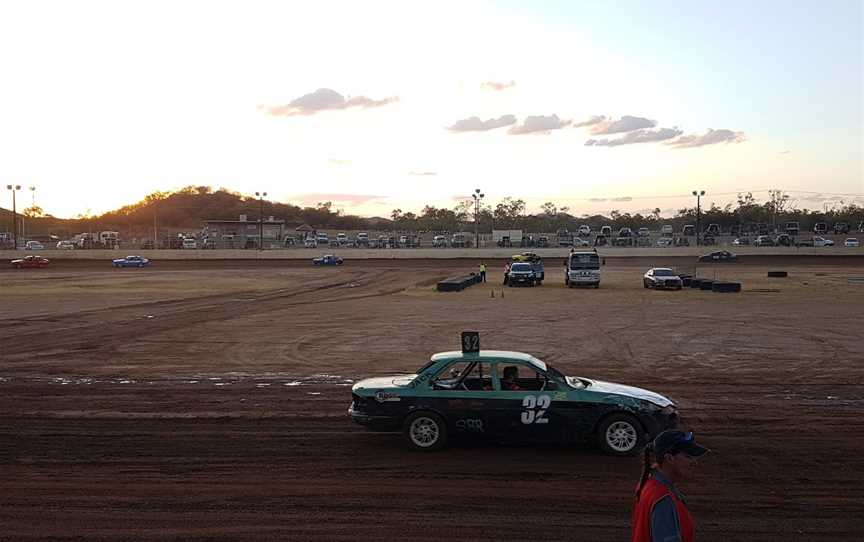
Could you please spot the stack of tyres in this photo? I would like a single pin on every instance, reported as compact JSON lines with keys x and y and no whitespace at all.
{"x":706,"y":284}
{"x":457,"y":284}
{"x":777,"y":274}
{"x":726,"y":287}
{"x":685,"y":279}
{"x":695,"y":282}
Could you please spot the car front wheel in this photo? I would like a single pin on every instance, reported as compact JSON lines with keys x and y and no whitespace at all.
{"x":425,"y":431}
{"x":620,"y":435}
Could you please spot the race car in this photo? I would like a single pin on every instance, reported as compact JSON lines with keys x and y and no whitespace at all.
{"x":508,"y":396}
{"x":131,"y":261}
{"x":30,"y":262}
{"x":719,"y":256}
{"x":329,"y":259}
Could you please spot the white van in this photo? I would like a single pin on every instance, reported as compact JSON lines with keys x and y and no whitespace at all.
{"x":582,"y":268}
{"x":190,"y":243}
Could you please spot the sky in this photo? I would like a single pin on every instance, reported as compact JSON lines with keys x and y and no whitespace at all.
{"x":382,"y":105}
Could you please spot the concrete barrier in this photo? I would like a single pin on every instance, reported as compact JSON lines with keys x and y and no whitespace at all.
{"x":421,"y":253}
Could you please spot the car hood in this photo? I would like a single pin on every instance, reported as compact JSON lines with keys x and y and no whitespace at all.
{"x":396,"y":381}
{"x":599,"y":386}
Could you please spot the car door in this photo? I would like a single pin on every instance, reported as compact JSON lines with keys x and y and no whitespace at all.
{"x":462,"y":392}
{"x":525,"y":410}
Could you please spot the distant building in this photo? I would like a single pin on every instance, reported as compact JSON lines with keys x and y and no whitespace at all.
{"x":242,"y":233}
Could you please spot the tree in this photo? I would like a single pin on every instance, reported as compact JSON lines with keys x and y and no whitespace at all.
{"x":34,"y":211}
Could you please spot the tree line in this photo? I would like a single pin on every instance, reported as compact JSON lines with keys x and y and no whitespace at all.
{"x":187,"y":208}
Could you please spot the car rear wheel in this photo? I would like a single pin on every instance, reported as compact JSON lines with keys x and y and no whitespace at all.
{"x":620,"y":435}
{"x":425,"y":431}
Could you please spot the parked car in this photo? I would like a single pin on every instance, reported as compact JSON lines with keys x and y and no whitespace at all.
{"x":851,"y":242}
{"x":439,"y":241}
{"x":600,"y":241}
{"x":543,"y":241}
{"x":792,"y":228}
{"x":579,"y":242}
{"x":709,"y":239}
{"x":689,"y":230}
{"x":822,"y":242}
{"x":584,"y":230}
{"x":606,"y":231}
{"x":664,"y":242}
{"x":328,"y":259}
{"x":643,"y":232}
{"x":30,"y":262}
{"x":34,"y":245}
{"x":65,"y":245}
{"x":131,"y":261}
{"x":719,"y":256}
{"x":667,"y":229}
{"x":310,"y":242}
{"x":763,"y":241}
{"x":662,"y":278}
{"x":189,"y":243}
{"x":713,"y":229}
{"x":841,"y":228}
{"x":500,"y":395}
{"x":741,"y":241}
{"x":820,"y":228}
{"x":784,"y":240}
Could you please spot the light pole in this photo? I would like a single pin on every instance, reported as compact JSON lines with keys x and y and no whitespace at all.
{"x":261,"y":196}
{"x":14,"y":188}
{"x":478,"y":197}
{"x":698,"y":195}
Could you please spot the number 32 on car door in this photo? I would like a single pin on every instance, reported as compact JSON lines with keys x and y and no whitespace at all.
{"x":534,"y":409}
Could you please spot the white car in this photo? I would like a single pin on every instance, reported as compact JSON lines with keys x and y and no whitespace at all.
{"x":65,"y":245}
{"x":666,"y":229}
{"x":822,"y":242}
{"x":190,"y":243}
{"x":33,"y":245}
{"x":664,"y":242}
{"x":851,"y":242}
{"x":643,"y":232}
{"x":584,"y":230}
{"x":579,"y":242}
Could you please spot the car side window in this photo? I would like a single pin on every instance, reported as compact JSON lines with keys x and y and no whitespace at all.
{"x":465,"y":376}
{"x":519,"y":377}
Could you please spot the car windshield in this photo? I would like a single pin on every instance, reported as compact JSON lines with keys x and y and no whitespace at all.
{"x":664,"y":273}
{"x":521,"y":267}
{"x":584,"y":261}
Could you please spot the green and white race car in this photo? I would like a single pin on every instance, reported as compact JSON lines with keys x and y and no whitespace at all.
{"x":509,"y":396}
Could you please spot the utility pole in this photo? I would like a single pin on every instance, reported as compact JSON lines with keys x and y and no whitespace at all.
{"x":698,"y":195}
{"x":478,"y":197}
{"x":261,"y":196}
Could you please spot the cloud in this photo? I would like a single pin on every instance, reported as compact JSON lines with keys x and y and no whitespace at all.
{"x":622,"y":198}
{"x":539,"y":123}
{"x":339,"y":162}
{"x":597,"y":199}
{"x":626,"y":123}
{"x":590,"y":122}
{"x":785,"y":152}
{"x":475,"y":124}
{"x":324,"y":99}
{"x":349,"y":199}
{"x":423,"y":173}
{"x":711,"y":137}
{"x":637,"y":136}
{"x":493,"y":85}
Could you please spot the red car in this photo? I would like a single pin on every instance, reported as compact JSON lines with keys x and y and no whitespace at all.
{"x":30,"y":261}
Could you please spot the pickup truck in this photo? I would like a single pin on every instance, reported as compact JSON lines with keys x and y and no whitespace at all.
{"x":535,"y":262}
{"x":815,"y":241}
{"x":522,"y":274}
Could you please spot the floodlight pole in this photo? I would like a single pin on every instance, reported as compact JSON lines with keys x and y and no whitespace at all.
{"x":478,"y":196}
{"x":261,"y":196}
{"x":13,"y":189}
{"x":698,"y":195}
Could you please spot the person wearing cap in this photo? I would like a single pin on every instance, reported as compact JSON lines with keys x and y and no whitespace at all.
{"x":660,"y":513}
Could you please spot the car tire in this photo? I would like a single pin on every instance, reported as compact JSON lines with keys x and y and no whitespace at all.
{"x":425,"y":431}
{"x":645,"y":283}
{"x":621,"y":435}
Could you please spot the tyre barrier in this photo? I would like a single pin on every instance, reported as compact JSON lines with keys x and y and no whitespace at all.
{"x":706,"y":284}
{"x":457,"y":284}
{"x":695,"y":283}
{"x":685,"y":279}
{"x":777,"y":274}
{"x":726,"y":287}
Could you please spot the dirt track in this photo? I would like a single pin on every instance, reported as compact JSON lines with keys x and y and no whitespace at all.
{"x":209,"y":402}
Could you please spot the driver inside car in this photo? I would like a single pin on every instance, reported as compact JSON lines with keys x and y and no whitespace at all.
{"x":508,"y":379}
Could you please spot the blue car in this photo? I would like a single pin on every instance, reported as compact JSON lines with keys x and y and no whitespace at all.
{"x":131,"y":261}
{"x":327,"y":260}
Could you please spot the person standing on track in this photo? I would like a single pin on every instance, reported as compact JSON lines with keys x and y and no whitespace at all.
{"x":660,"y":513}
{"x":482,"y":271}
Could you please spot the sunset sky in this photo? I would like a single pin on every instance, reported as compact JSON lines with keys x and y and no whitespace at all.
{"x":382,"y":105}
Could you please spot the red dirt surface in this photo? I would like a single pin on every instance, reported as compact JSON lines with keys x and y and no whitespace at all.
{"x":216,"y":409}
